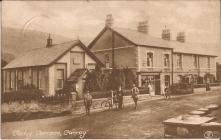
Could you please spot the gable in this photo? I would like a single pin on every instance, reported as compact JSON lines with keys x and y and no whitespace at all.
{"x":77,"y":49}
{"x":104,"y":41}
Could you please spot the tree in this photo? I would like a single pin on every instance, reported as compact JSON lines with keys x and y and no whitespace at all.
{"x":130,"y":78}
{"x":94,"y":80}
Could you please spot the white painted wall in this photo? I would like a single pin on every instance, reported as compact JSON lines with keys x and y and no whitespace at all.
{"x":66,"y":59}
{"x":77,"y":48}
{"x":51,"y":80}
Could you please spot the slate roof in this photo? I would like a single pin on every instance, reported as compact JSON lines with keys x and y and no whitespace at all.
{"x":142,"y":39}
{"x":192,"y":48}
{"x":74,"y":77}
{"x":46,"y":56}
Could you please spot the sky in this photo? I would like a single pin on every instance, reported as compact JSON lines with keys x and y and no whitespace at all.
{"x":199,"y":19}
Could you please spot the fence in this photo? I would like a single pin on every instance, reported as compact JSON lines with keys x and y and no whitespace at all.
{"x":203,"y":85}
{"x":36,"y":95}
{"x":28,"y":95}
{"x":106,"y":94}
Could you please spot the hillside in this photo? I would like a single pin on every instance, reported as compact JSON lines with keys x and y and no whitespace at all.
{"x":14,"y":42}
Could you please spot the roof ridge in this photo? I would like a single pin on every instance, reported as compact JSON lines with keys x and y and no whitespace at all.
{"x":66,"y":42}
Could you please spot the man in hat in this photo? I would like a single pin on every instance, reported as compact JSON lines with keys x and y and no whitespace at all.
{"x":87,"y":102}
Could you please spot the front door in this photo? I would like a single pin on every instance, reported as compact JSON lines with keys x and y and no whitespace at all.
{"x":153,"y":80}
{"x":157,"y":84}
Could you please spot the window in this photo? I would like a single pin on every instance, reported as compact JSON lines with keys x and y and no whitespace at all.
{"x":167,"y":80}
{"x":40,"y":79}
{"x":208,"y":62}
{"x":34,"y":77}
{"x":20,"y":79}
{"x":166,"y":60}
{"x":149,"y":59}
{"x":12,"y":79}
{"x":179,"y":61}
{"x":107,"y":61}
{"x":76,"y":61}
{"x":60,"y":78}
{"x":91,"y":66}
{"x":195,"y":63}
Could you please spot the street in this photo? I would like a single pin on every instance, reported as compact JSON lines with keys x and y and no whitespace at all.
{"x":145,"y":122}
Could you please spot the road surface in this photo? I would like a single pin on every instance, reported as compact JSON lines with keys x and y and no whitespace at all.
{"x":145,"y":122}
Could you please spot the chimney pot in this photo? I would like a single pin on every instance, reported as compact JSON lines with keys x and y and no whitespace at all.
{"x":143,"y":27}
{"x":109,"y":20}
{"x":166,"y":34}
{"x":181,"y":37}
{"x":49,"y":41}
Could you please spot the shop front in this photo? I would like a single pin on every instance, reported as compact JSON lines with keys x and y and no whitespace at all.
{"x":150,"y":79}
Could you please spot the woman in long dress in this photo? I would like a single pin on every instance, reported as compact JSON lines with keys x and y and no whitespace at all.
{"x":151,"y":90}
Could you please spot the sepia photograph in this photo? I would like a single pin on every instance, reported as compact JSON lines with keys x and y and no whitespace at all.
{"x":106,"y":69}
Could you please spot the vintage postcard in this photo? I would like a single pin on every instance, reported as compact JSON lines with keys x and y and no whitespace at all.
{"x":140,"y":69}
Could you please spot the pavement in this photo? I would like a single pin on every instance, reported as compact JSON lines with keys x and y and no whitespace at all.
{"x":145,"y":122}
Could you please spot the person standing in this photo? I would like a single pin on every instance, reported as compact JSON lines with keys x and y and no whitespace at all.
{"x":208,"y":85}
{"x":151,"y":90}
{"x":73,"y":95}
{"x":167,"y":92}
{"x":120,"y":98}
{"x":115,"y":99}
{"x":135,"y":91}
{"x":87,"y":102}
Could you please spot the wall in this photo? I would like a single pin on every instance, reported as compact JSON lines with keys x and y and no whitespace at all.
{"x":123,"y":57}
{"x":158,"y":59}
{"x":51,"y":80}
{"x":89,"y":62}
{"x":66,"y":63}
{"x":79,"y":54}
{"x":188,"y":66}
{"x":53,"y":77}
{"x":123,"y":50}
{"x":104,"y":42}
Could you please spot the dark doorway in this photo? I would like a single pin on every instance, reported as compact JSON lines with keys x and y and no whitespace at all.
{"x":157,"y":84}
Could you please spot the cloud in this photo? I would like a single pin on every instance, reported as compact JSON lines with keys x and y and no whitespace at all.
{"x":69,"y":17}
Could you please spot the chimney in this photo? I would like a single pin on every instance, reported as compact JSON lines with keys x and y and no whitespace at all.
{"x":49,"y":42}
{"x":143,"y":27}
{"x":181,"y":37}
{"x":109,"y":20}
{"x":166,"y":34}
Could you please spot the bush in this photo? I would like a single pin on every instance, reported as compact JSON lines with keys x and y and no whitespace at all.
{"x":182,"y":88}
{"x":22,"y":95}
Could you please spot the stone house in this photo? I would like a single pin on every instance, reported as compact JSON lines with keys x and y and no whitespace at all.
{"x":159,"y":61}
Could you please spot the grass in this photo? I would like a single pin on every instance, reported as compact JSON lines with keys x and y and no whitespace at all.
{"x":16,"y":111}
